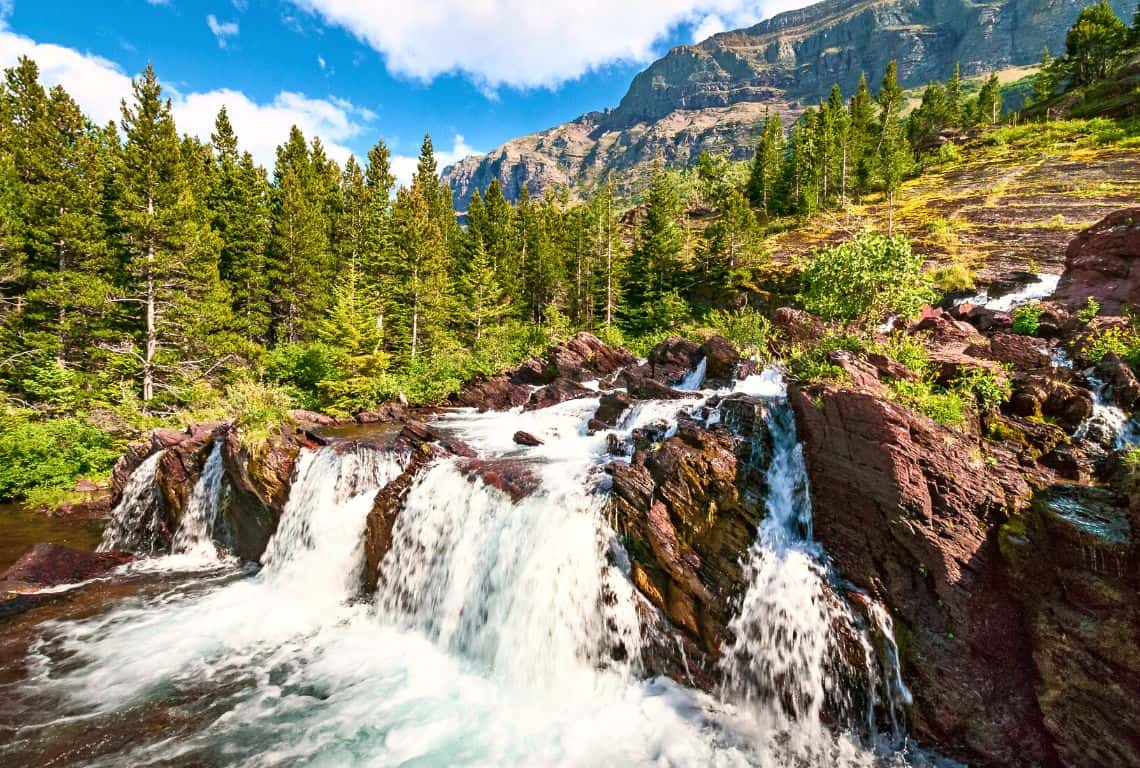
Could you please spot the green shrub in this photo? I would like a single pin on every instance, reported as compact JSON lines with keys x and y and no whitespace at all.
{"x":811,"y":363}
{"x":989,"y":389}
{"x":1122,"y":342}
{"x":946,"y":407}
{"x":1027,"y":319}
{"x":1090,"y":311}
{"x":866,"y":278}
{"x":301,"y":368}
{"x":748,"y":329}
{"x":955,"y":278}
{"x":50,"y":454}
{"x":257,"y":408}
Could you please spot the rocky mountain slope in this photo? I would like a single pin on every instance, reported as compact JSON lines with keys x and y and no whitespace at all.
{"x":711,"y":96}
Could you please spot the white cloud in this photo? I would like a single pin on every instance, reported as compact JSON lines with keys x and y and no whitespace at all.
{"x":99,"y":85}
{"x":223,"y":30}
{"x":521,"y":43}
{"x":158,"y":2}
{"x":321,"y":62}
{"x":6,"y":8}
{"x":707,"y":27}
{"x":404,"y":166}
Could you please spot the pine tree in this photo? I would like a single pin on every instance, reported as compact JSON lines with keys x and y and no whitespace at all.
{"x":730,"y":242}
{"x":1093,"y":43}
{"x":656,"y":263}
{"x":171,"y":253}
{"x":239,"y":204}
{"x":764,"y":177}
{"x":481,"y":295}
{"x":351,"y":325}
{"x":610,"y":255}
{"x":863,"y":136}
{"x":988,"y":109}
{"x":894,"y":152}
{"x":839,"y":138}
{"x":378,"y":271}
{"x":300,"y":260}
{"x":954,"y":99}
{"x":1045,"y":81}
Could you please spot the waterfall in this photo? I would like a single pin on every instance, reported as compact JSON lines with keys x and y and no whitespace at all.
{"x":1042,"y":287}
{"x":136,"y":523}
{"x":695,"y":378}
{"x":787,"y":659}
{"x":195,"y":535}
{"x":1107,"y":419}
{"x":501,"y":633}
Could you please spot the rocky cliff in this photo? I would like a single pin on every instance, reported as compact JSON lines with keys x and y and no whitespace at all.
{"x":711,"y":96}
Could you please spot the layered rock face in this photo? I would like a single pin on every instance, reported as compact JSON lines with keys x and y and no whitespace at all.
{"x":712,"y":96}
{"x":1103,"y":262}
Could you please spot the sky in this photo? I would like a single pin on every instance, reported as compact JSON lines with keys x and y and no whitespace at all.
{"x":472,"y":73}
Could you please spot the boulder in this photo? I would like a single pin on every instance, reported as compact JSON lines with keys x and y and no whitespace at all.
{"x":1125,"y":389}
{"x":1103,"y":261}
{"x":50,"y":565}
{"x":514,"y":478}
{"x":640,"y":384}
{"x":1022,"y":352}
{"x":907,"y":509}
{"x":722,"y":361}
{"x":795,"y":326}
{"x":945,"y":333}
{"x":526,"y":438}
{"x":557,"y":392}
{"x":495,"y":393}
{"x":259,"y":482}
{"x":672,"y":359}
{"x":611,"y":406}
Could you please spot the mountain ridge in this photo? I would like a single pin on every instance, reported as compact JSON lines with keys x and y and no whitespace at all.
{"x":712,"y":95}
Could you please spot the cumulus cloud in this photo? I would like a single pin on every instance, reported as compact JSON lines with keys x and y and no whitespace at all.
{"x":99,"y":85}
{"x":223,"y":30}
{"x":524,"y":44}
{"x":404,"y":166}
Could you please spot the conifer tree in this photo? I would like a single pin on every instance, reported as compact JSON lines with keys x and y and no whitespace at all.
{"x":610,"y":255}
{"x":481,"y":296}
{"x":839,"y":139}
{"x":1093,"y":43}
{"x":764,"y":176}
{"x":894,"y":152}
{"x":863,"y":136}
{"x":1045,"y":81}
{"x":656,"y":262}
{"x":729,"y":242}
{"x":300,"y":260}
{"x":171,"y":253}
{"x":239,"y":204}
{"x":988,"y":111}
{"x":954,"y":99}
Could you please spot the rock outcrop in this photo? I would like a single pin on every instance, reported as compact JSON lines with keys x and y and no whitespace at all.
{"x":908,"y":510}
{"x":51,"y":565}
{"x":1104,"y":262}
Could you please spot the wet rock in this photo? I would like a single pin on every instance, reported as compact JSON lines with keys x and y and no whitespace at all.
{"x":309,"y":419}
{"x":945,"y":333}
{"x":383,"y":415}
{"x":1072,"y":561}
{"x":685,"y":513}
{"x":1125,"y":389}
{"x":184,"y":456}
{"x":134,"y":455}
{"x":259,"y":479}
{"x":905,"y":508}
{"x":558,"y":392}
{"x":512,"y":477}
{"x":50,"y":565}
{"x":985,"y":320}
{"x":496,"y":393}
{"x":644,"y":387}
{"x":1103,"y":261}
{"x":526,"y":438}
{"x":611,"y":406}
{"x":1051,"y":395}
{"x":1069,"y":462}
{"x":722,"y":361}
{"x":861,"y":373}
{"x":586,"y":357}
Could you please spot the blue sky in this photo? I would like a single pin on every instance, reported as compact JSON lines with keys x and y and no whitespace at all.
{"x":474,"y":73}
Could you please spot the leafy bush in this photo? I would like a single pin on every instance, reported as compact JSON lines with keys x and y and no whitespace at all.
{"x":1122,"y":342}
{"x":953,"y":279}
{"x":54,"y":453}
{"x":746,"y":327}
{"x":808,"y":364}
{"x":946,"y":407}
{"x":301,"y":368}
{"x":866,"y":278}
{"x":1027,"y":319}
{"x":989,"y":389}
{"x":1090,"y":311}
{"x":257,"y":408}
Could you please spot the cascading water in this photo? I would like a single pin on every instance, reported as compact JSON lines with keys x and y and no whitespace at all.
{"x":135,"y":523}
{"x":1042,"y":287}
{"x":195,"y":535}
{"x":501,"y":633}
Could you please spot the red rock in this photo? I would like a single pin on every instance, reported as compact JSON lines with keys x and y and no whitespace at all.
{"x":796,"y":326}
{"x":946,"y":333}
{"x":48,"y":565}
{"x":558,"y":392}
{"x":1125,"y":388}
{"x":903,"y":506}
{"x":497,"y":393}
{"x":312,"y":418}
{"x":1103,"y":261}
{"x":722,"y":360}
{"x":611,"y":406}
{"x":1022,"y":352}
{"x":526,"y":438}
{"x":512,"y":477}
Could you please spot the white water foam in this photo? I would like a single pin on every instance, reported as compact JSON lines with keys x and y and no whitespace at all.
{"x":194,"y":540}
{"x":1043,"y":287}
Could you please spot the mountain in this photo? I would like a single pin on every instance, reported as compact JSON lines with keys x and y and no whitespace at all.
{"x":711,"y":96}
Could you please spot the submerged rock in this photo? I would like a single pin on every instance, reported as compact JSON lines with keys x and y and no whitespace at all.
{"x":50,"y":565}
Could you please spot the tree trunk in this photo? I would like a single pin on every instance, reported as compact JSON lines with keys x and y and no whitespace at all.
{"x":151,"y":331}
